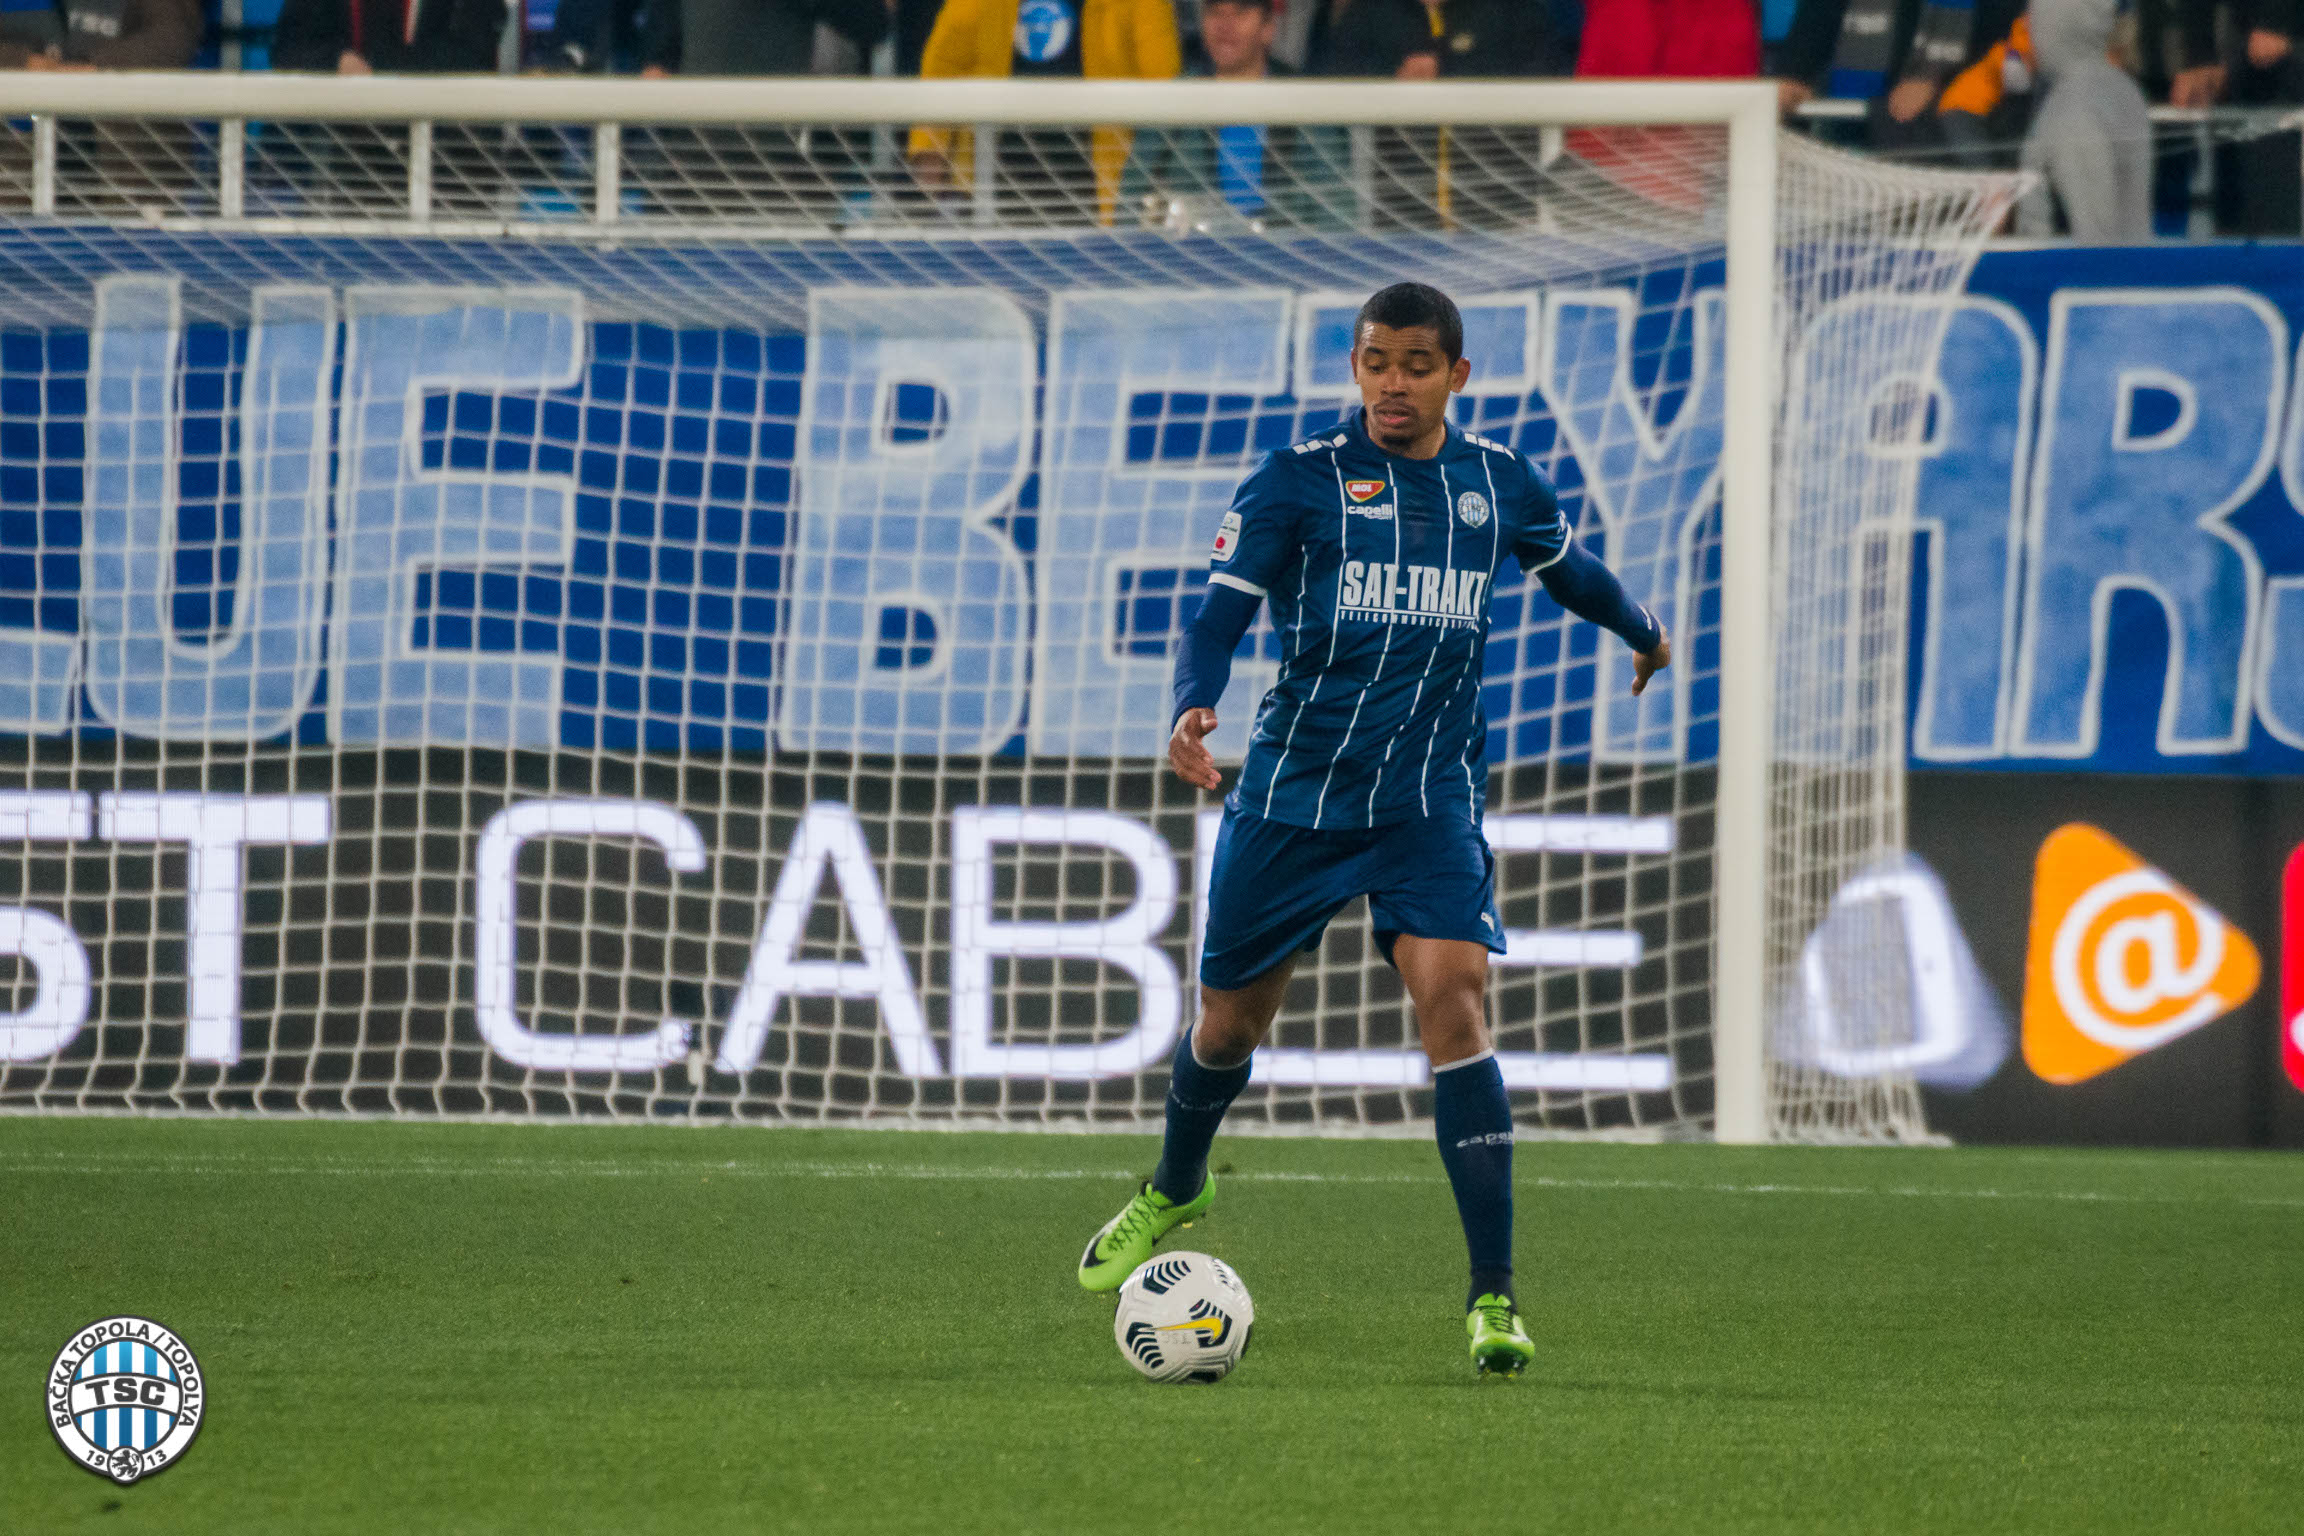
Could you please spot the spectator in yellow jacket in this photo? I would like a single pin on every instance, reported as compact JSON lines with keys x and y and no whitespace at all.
{"x":1045,"y":39}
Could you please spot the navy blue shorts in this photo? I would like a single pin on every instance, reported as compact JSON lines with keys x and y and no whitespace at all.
{"x":1274,"y":888}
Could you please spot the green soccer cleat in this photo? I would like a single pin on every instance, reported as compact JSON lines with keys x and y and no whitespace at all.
{"x":1500,"y":1346}
{"x":1128,"y":1239}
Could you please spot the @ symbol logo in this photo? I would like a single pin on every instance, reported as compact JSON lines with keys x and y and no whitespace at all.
{"x":2093,"y":962}
{"x":125,"y":1397}
{"x":1472,"y":509}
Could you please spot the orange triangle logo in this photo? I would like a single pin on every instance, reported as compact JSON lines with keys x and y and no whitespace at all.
{"x":2122,"y":960}
{"x":1364,"y":490}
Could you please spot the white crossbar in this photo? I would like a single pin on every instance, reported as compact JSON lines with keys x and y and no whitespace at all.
{"x":280,"y":96}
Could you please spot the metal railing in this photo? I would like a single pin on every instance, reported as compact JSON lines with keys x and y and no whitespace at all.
{"x":2190,"y":134}
{"x":591,"y":155}
{"x":595,"y":155}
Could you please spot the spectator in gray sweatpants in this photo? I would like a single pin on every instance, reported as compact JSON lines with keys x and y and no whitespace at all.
{"x":2091,"y":138}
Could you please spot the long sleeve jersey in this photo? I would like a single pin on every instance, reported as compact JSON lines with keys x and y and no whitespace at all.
{"x":1378,"y":570}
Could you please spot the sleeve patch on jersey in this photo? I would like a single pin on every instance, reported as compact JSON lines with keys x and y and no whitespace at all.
{"x":1227,"y":537}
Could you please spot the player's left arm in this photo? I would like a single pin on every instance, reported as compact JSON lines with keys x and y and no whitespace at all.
{"x":1580,"y":583}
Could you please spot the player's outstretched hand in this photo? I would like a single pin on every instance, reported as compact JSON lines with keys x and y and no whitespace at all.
{"x":1644,"y":666}
{"x":1187,"y":754}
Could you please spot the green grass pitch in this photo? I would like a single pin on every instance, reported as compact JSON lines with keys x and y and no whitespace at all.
{"x":448,"y":1328}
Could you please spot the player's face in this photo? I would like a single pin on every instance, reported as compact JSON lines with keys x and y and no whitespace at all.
{"x":1405,"y":381}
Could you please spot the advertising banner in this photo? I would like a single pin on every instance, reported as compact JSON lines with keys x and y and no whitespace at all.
{"x":353,"y":592}
{"x":2131,"y":929}
{"x":2110,"y":483}
{"x":487,"y":675}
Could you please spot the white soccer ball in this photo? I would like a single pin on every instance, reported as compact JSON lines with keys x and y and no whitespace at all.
{"x":1184,"y":1317}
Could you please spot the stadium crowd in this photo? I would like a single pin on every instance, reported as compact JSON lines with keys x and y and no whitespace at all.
{"x":2063,"y":86}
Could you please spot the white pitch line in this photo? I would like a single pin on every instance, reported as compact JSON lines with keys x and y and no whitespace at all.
{"x":86,"y":1164}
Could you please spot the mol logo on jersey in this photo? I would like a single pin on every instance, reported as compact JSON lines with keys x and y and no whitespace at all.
{"x":1386,"y":592}
{"x":2123,"y":959}
{"x":1360,"y":492}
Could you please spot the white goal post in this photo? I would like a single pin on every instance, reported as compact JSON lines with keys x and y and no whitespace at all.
{"x":612,"y":197}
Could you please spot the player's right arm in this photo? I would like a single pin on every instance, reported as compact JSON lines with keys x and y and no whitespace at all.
{"x":1254,"y":548}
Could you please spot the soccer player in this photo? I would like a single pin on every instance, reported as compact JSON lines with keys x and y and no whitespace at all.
{"x":1375,"y":543}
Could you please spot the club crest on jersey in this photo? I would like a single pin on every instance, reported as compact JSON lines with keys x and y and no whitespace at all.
{"x":1363,"y":490}
{"x":1472,"y":509}
{"x":1227,"y":537}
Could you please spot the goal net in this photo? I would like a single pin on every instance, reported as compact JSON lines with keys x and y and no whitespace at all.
{"x":592,"y":615}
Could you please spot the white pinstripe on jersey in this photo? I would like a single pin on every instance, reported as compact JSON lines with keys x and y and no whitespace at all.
{"x":1423,"y":796}
{"x":1382,"y":655}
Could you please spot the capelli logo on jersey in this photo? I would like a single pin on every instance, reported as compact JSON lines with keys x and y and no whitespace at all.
{"x":2122,"y":959}
{"x":1386,"y":592}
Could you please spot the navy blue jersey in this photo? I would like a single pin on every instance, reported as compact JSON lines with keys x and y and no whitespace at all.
{"x":1378,"y":570}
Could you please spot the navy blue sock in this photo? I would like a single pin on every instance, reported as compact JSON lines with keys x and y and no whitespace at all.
{"x":1197,"y":1099}
{"x":1473,"y":1122}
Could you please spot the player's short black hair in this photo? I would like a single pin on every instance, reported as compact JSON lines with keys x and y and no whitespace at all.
{"x":1406,"y":305}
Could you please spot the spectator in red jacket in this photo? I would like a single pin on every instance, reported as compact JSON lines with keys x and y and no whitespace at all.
{"x":1670,"y":39}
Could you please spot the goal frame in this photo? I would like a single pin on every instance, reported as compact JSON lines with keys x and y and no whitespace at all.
{"x":1748,"y":110}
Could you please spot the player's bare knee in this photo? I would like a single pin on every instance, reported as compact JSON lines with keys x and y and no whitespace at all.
{"x":1228,"y":1030}
{"x":1222,"y":1049}
{"x":1453,"y":1024}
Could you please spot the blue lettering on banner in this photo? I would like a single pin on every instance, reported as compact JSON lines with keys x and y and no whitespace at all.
{"x":1975,"y":452}
{"x":401,"y":520}
{"x":1107,"y":524}
{"x":893,"y":518}
{"x":1649,"y":487}
{"x":898,"y":533}
{"x":2119,"y":523}
{"x":2121,"y":501}
{"x":258,"y":677}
